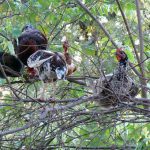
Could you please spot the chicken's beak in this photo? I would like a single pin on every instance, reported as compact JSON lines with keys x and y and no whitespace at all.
{"x":61,"y":73}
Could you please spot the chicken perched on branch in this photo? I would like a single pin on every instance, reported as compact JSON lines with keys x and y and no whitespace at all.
{"x":49,"y":66}
{"x":117,"y":87}
{"x":30,"y":41}
{"x":11,"y":65}
{"x":70,"y":65}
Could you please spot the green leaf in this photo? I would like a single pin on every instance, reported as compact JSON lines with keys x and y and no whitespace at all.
{"x":16,"y":32}
{"x":10,"y":47}
{"x":130,"y":54}
{"x":2,"y":81}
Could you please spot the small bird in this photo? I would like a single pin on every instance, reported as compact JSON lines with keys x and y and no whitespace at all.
{"x":70,"y":65}
{"x":49,"y":66}
{"x":12,"y":66}
{"x":30,"y":41}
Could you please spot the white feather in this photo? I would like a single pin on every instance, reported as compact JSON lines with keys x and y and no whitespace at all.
{"x":34,"y":60}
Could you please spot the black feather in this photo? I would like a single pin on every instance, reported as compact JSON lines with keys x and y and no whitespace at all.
{"x":11,"y":65}
{"x":29,"y":42}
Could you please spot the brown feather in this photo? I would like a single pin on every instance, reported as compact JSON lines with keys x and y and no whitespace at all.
{"x":29,"y":42}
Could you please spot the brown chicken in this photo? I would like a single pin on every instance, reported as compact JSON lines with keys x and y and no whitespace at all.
{"x":71,"y":67}
{"x":115,"y":88}
{"x":49,"y":66}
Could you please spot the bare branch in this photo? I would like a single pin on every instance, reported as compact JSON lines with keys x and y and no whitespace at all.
{"x":128,"y":29}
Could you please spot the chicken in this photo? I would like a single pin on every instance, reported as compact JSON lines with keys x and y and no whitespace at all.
{"x":115,"y":88}
{"x":120,"y":80}
{"x":49,"y":66}
{"x":12,"y":66}
{"x":30,"y":41}
{"x":71,"y":67}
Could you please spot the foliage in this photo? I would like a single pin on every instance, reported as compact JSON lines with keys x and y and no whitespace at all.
{"x":85,"y":124}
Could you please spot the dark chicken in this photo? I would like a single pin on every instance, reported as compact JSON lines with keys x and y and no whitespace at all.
{"x":30,"y":41}
{"x":49,"y":66}
{"x":116,"y":87}
{"x":11,"y":65}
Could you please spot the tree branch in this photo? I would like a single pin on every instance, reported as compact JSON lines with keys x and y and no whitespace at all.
{"x":102,"y":27}
{"x":143,"y":82}
{"x":128,"y":30}
{"x":97,"y":21}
